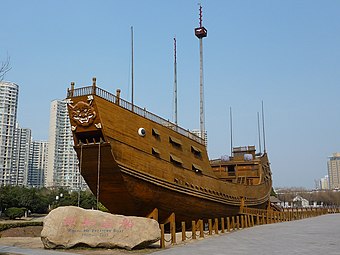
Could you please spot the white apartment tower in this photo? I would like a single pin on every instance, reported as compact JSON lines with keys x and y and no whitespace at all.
{"x":333,"y":166}
{"x":37,"y":164}
{"x":8,"y":112}
{"x":324,"y":183}
{"x":62,"y":163}
{"x":199,"y":134}
{"x":20,"y":159}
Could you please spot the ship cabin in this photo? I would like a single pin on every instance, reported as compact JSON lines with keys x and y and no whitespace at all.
{"x":243,"y":167}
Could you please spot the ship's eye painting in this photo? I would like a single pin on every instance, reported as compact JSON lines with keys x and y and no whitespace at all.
{"x":83,"y":113}
{"x":141,"y":132}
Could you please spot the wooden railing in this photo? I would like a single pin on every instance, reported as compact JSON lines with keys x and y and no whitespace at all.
{"x":248,"y":217}
{"x":93,"y":90}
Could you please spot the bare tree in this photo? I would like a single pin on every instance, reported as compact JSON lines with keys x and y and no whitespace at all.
{"x":4,"y":67}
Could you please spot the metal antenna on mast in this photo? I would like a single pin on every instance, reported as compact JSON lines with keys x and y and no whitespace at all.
{"x":231,"y":131}
{"x":259,"y":131}
{"x":264,"y":134}
{"x":200,"y":33}
{"x":132,"y":66}
{"x":175,"y":82}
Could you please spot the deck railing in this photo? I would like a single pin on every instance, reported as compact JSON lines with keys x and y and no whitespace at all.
{"x":93,"y":90}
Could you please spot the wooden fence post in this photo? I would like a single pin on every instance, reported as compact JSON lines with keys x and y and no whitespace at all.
{"x":242,"y":221}
{"x":228,"y":224}
{"x":193,"y":229}
{"x":216,"y":226}
{"x":201,"y":228}
{"x":162,"y":236}
{"x":183,"y":231}
{"x":233,"y":222}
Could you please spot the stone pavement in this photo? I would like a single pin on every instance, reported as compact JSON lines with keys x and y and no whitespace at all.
{"x":318,"y":235}
{"x":16,"y":250}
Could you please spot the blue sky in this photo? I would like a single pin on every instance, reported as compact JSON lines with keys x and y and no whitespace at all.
{"x":286,"y":53}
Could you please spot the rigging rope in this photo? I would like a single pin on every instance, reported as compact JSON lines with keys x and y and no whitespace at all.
{"x":98,"y":172}
{"x":80,"y":178}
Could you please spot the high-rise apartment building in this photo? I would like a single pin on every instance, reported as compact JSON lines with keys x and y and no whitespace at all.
{"x":37,"y":164}
{"x":324,"y":183}
{"x":199,"y":134}
{"x":8,"y":113}
{"x":62,"y":166}
{"x":20,"y":160}
{"x":333,"y":165}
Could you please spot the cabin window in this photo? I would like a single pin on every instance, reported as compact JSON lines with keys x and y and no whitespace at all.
{"x":155,"y":152}
{"x":176,"y":160}
{"x":197,"y":152}
{"x":197,"y":169}
{"x":89,"y":137}
{"x":155,"y":133}
{"x":174,"y":141}
{"x":230,"y":170}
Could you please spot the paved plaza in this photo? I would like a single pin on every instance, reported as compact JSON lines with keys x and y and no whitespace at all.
{"x":318,"y":235}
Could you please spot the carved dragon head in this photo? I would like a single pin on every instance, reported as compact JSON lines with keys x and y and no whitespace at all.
{"x":82,"y":113}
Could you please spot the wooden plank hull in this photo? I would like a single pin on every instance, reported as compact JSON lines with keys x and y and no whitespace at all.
{"x":165,"y":168}
{"x":123,"y":191}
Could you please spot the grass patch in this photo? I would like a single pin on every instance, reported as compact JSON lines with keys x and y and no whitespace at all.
{"x":4,"y":226}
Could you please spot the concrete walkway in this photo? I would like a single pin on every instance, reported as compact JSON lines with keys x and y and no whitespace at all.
{"x":318,"y":235}
{"x":16,"y":250}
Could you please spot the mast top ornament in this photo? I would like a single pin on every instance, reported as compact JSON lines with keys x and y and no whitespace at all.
{"x":201,"y":31}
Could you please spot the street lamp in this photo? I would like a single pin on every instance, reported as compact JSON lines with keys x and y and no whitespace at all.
{"x":58,"y":197}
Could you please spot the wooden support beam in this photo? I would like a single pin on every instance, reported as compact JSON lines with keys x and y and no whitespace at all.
{"x":172,"y":221}
{"x":153,"y":214}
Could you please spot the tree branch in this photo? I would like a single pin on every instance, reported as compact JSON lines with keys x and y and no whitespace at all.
{"x":5,"y":67}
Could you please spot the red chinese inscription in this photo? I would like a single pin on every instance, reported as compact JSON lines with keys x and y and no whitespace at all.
{"x":127,"y":223}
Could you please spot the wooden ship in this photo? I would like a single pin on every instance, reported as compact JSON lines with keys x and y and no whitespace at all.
{"x":136,"y":161}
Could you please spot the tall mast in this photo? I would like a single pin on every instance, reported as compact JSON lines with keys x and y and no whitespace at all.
{"x":264,"y":134}
{"x":175,"y":82}
{"x":259,"y":131}
{"x":132,"y":85}
{"x":200,"y":33}
{"x":231,"y":131}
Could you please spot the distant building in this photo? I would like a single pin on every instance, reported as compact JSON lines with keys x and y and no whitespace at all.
{"x":324,"y":183}
{"x":299,"y":201}
{"x":20,"y":159}
{"x":62,"y":163}
{"x":37,"y":164}
{"x":199,"y":134}
{"x":333,"y":166}
{"x":8,"y":113}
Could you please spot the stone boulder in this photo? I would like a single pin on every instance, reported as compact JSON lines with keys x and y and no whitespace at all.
{"x":65,"y":227}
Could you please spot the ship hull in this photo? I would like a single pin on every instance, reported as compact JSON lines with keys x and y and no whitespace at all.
{"x":165,"y":168}
{"x":128,"y":192}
